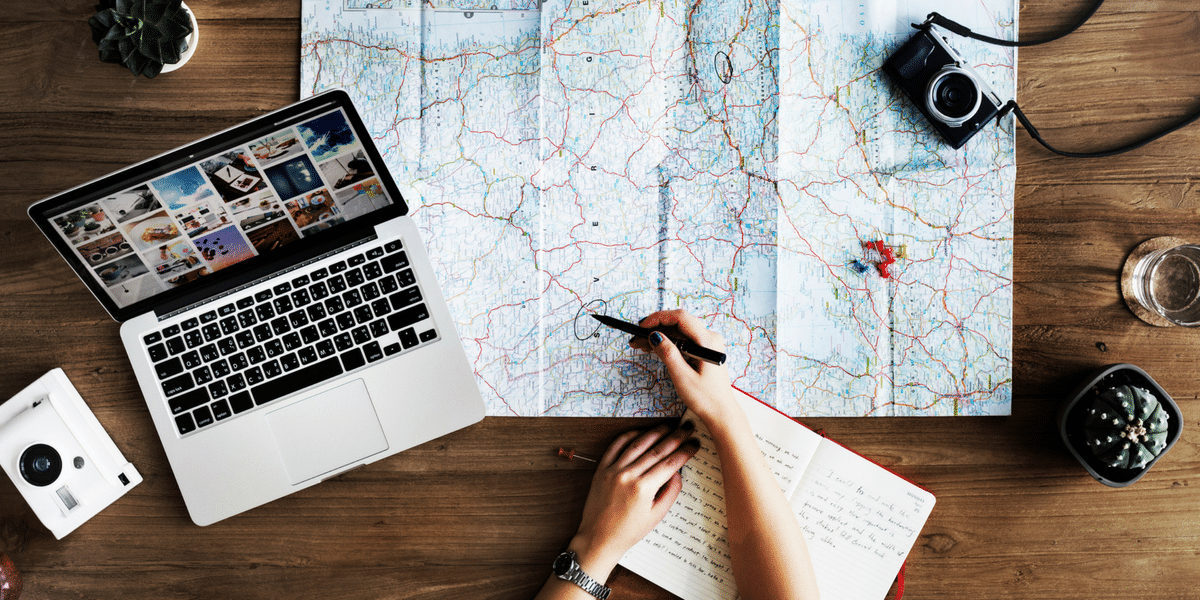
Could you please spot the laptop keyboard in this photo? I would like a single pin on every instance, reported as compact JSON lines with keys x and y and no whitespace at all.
{"x":305,"y":328}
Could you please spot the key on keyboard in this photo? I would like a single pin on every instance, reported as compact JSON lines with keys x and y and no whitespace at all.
{"x":289,"y":336}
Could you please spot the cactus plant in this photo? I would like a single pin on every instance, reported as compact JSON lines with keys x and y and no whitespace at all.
{"x":1126,"y":426}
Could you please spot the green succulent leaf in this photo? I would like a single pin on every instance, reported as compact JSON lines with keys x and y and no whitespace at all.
{"x":143,"y":35}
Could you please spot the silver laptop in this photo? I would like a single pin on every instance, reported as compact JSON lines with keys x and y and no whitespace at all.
{"x":277,"y":304}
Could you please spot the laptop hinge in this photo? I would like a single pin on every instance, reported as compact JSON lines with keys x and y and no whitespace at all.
{"x":276,"y":274}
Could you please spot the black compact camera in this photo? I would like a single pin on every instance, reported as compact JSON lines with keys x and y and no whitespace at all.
{"x":947,"y":90}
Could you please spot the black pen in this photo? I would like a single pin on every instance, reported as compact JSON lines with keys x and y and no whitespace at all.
{"x":687,"y":347}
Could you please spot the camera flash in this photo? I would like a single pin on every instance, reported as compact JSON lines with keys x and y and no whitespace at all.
{"x":67,"y":498}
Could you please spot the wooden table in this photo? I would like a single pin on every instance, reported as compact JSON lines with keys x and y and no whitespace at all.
{"x":481,"y":513}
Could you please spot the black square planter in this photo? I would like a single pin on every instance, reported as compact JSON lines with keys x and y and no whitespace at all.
{"x":1071,"y":416}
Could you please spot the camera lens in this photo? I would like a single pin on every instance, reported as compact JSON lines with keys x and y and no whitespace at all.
{"x":40,"y":465}
{"x":953,"y":96}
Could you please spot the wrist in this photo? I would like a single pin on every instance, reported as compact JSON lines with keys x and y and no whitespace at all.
{"x":598,"y":560}
{"x":725,"y":419}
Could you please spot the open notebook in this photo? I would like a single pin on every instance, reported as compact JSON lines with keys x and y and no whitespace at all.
{"x":860,"y":519}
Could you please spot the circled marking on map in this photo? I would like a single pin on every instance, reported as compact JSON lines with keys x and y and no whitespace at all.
{"x":586,"y":328}
{"x":724,"y":66}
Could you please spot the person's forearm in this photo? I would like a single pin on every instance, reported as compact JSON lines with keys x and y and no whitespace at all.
{"x":594,"y":559}
{"x":770,"y":555}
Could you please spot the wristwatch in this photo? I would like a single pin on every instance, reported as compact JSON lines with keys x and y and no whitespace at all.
{"x":566,"y":566}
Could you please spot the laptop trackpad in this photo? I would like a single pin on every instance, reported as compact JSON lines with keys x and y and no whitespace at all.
{"x":328,"y":431}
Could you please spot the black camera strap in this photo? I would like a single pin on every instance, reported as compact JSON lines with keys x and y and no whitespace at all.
{"x":959,"y":29}
{"x":1037,"y":137}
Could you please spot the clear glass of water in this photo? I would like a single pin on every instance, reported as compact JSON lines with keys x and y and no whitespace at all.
{"x":1167,"y":282}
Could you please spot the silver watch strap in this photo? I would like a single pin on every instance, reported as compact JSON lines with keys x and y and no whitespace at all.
{"x":588,"y":584}
{"x":583,"y":580}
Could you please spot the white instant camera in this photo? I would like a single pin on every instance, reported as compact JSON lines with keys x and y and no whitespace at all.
{"x":59,"y":457}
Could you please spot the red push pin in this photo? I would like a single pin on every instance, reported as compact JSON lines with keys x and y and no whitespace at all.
{"x":570,"y":455}
{"x":889,"y":257}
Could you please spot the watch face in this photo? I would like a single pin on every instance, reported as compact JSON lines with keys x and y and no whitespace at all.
{"x":562,"y":564}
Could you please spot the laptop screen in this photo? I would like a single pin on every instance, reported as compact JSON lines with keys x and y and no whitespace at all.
{"x":169,"y":224}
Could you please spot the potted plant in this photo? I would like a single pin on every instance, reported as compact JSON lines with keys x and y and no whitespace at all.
{"x":147,"y":36}
{"x":1118,"y":423}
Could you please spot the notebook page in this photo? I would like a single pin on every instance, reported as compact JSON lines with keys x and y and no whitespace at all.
{"x":860,"y":521}
{"x":687,"y":554}
{"x":787,"y":445}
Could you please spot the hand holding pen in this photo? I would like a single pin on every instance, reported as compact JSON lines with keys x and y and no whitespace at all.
{"x":684,"y":345}
{"x":703,"y":386}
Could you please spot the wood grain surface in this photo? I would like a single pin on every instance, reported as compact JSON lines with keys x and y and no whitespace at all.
{"x":482,"y":512}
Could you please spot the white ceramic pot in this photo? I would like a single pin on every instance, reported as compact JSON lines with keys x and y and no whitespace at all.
{"x":193,"y":40}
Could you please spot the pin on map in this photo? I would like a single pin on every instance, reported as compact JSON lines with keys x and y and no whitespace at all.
{"x":880,"y":254}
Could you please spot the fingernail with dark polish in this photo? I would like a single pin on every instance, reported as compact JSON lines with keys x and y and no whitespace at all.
{"x":688,"y":426}
{"x":656,"y":338}
{"x":691,"y":444}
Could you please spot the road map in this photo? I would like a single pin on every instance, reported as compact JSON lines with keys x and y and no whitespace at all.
{"x":745,"y":160}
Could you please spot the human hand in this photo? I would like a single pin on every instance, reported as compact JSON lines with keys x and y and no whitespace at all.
{"x":636,"y":482}
{"x":703,"y":387}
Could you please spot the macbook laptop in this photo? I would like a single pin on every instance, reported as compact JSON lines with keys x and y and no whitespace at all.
{"x":277,"y":304}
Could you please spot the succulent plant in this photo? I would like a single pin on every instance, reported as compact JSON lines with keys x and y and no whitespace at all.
{"x":1126,"y":427}
{"x":143,"y":35}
